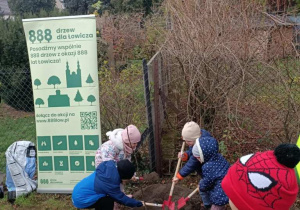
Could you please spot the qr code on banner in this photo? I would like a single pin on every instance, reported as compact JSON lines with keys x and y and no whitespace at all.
{"x":88,"y":120}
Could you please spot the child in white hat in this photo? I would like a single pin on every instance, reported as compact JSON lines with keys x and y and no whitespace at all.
{"x":190,"y":133}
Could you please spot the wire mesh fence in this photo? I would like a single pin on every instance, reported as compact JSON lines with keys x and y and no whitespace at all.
{"x":236,"y":77}
{"x":247,"y":101}
{"x":16,"y":109}
{"x":121,"y":103}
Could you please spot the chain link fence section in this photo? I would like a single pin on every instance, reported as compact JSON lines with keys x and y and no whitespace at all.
{"x":237,"y":77}
{"x":16,"y":109}
{"x":273,"y":97}
{"x":122,"y":103}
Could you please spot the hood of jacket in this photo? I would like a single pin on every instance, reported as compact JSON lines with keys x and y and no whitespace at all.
{"x":205,"y":148}
{"x":107,"y":176}
{"x":209,"y":147}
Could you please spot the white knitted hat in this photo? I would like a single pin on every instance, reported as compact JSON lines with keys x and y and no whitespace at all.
{"x":191,"y":131}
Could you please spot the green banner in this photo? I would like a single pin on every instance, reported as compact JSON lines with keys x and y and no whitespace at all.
{"x":63,"y":61}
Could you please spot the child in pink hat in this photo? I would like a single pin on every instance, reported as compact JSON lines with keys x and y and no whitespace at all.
{"x":120,"y":146}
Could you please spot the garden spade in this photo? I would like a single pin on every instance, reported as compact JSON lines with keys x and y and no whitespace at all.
{"x":169,"y":203}
{"x":182,"y":201}
{"x":153,"y":204}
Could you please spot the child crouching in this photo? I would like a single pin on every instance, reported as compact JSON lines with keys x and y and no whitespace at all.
{"x":102,"y":188}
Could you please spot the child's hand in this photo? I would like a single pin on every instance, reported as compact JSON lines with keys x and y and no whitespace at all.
{"x":175,"y":179}
{"x":184,"y":156}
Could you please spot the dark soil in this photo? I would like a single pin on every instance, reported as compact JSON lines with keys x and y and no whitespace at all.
{"x":157,"y":193}
{"x":153,"y":176}
{"x":8,"y":111}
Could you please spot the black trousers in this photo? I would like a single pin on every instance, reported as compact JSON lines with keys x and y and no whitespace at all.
{"x":104,"y":203}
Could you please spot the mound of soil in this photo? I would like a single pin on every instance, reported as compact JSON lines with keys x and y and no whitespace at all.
{"x":157,"y":193}
{"x":152,"y":177}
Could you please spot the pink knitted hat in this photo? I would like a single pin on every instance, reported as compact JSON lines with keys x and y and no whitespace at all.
{"x":130,"y":134}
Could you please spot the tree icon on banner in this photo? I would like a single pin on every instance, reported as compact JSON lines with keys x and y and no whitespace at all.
{"x":78,"y":98}
{"x":89,"y":80}
{"x":37,"y":83}
{"x":39,"y":102}
{"x":91,"y":99}
{"x":54,"y":80}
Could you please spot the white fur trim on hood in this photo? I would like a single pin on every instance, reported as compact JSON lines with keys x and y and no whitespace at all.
{"x":116,"y":138}
{"x":197,"y":151}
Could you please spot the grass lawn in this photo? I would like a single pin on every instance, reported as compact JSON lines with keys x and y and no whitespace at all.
{"x":18,"y":128}
{"x":36,"y":201}
{"x":14,"y":129}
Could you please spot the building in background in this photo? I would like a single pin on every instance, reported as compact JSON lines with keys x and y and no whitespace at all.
{"x":4,"y":9}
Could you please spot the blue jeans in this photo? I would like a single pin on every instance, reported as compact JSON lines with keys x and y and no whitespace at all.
{"x":205,"y":198}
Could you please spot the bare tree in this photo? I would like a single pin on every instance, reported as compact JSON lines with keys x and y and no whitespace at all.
{"x":227,"y":57}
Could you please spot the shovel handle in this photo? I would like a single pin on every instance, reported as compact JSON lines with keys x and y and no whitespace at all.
{"x":193,"y":193}
{"x":153,"y":204}
{"x":177,"y":169}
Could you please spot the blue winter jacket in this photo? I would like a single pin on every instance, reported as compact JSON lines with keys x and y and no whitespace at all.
{"x":105,"y":181}
{"x":193,"y":164}
{"x":214,"y":169}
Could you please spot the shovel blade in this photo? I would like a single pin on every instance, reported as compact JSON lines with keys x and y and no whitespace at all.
{"x":169,"y":204}
{"x":172,"y":206}
{"x":181,"y":203}
{"x":165,"y":203}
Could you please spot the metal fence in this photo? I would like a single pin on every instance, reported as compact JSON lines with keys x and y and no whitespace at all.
{"x":16,"y":109}
{"x":257,"y":108}
{"x":122,"y":102}
{"x":259,"y":111}
{"x":248,"y":110}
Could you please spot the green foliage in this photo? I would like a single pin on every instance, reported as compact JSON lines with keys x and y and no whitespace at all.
{"x":13,"y":48}
{"x":122,"y":98}
{"x":13,"y":61}
{"x":155,"y":35}
{"x":102,"y":49}
{"x":79,"y":7}
{"x":16,"y":88}
{"x":125,"y":6}
{"x":298,"y":4}
{"x":20,"y":7}
{"x":223,"y":148}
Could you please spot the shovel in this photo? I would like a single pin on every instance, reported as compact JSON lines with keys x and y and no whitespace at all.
{"x":169,"y":203}
{"x":153,"y":204}
{"x":182,"y":201}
